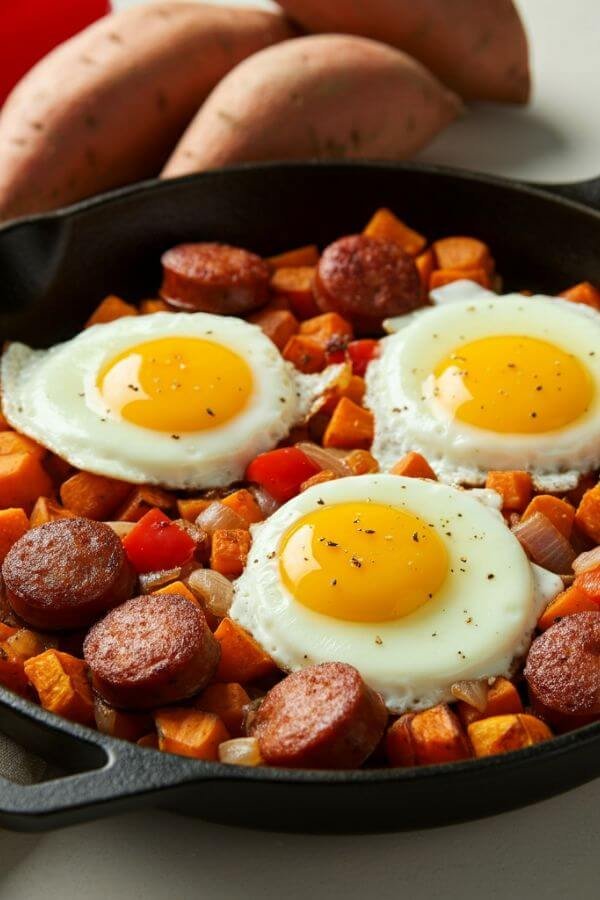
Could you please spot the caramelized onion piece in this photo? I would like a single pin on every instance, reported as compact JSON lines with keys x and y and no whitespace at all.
{"x":586,"y":561}
{"x":326,"y":459}
{"x":474,"y":693}
{"x":217,"y":515}
{"x":240,"y":752}
{"x":214,"y":591}
{"x":152,"y":581}
{"x":266,"y":503}
{"x":545,"y":544}
{"x":121,"y":529}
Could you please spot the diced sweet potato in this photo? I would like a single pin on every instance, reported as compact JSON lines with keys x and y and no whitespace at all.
{"x":305,"y":354}
{"x":502,"y":698}
{"x":351,"y":426}
{"x":242,"y":658}
{"x":46,"y":510}
{"x":329,"y":330}
{"x":361,"y":462}
{"x":588,"y":513}
{"x":12,"y":673}
{"x":584,"y":292}
{"x":514,"y":487}
{"x":13,"y":442}
{"x":440,"y":277}
{"x":413,"y":465}
{"x":432,"y":736}
{"x":25,"y":643}
{"x":93,"y":496}
{"x":191,"y":507}
{"x":463,"y":253}
{"x":62,"y":685}
{"x":301,"y":256}
{"x":128,"y":726}
{"x":243,"y":503}
{"x":318,"y":478}
{"x":353,"y":387}
{"x":560,"y":513}
{"x":500,"y":734}
{"x":573,"y":600}
{"x":227,"y":701}
{"x":278,"y":324}
{"x":178,"y":587}
{"x":109,"y":309}
{"x":190,"y":732}
{"x":229,"y":551}
{"x":153,"y":305}
{"x":22,"y":480}
{"x":295,"y":284}
{"x":13,"y":525}
{"x":142,"y":500}
{"x":386,"y":226}
{"x":589,"y":583}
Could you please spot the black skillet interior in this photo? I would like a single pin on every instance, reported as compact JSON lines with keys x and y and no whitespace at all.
{"x":55,"y":268}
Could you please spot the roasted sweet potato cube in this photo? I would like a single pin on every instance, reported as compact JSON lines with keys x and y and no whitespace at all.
{"x":25,"y":643}
{"x":295,"y":284}
{"x":142,"y":500}
{"x":463,"y":253}
{"x":22,"y":480}
{"x":588,"y":513}
{"x":190,"y":507}
{"x":502,"y":698}
{"x":227,"y":701}
{"x":572,"y":600}
{"x":500,"y":734}
{"x":432,"y":736}
{"x":128,"y":726}
{"x":351,"y":426}
{"x":515,"y":488}
{"x":278,"y":324}
{"x":584,"y":292}
{"x":300,"y":256}
{"x":46,"y":510}
{"x":306,"y":354}
{"x":62,"y":685}
{"x":560,"y":513}
{"x":109,"y":309}
{"x":361,"y":462}
{"x":386,"y":226}
{"x":242,"y":658}
{"x":230,"y":547}
{"x":13,"y":525}
{"x":93,"y":496}
{"x":243,"y":503}
{"x":329,"y":330}
{"x":413,"y":465}
{"x":190,"y":732}
{"x":12,"y":673}
{"x":13,"y":442}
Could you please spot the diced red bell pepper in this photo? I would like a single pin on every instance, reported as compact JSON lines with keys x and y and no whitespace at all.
{"x":157,"y":543}
{"x":281,"y":472}
{"x":360,"y":353}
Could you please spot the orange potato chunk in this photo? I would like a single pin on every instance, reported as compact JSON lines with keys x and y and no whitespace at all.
{"x":62,"y":685}
{"x":109,"y":309}
{"x":13,"y":525}
{"x":386,"y":226}
{"x":190,"y":732}
{"x":413,"y":465}
{"x":351,"y":426}
{"x":500,"y":734}
{"x":242,"y":658}
{"x":93,"y":496}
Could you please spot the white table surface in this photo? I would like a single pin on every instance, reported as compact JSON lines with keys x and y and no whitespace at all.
{"x":547,"y":851}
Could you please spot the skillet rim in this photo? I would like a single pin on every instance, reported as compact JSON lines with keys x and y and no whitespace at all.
{"x":557,"y":746}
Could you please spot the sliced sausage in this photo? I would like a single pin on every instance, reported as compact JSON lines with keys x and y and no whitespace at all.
{"x":366,"y":280}
{"x":152,"y":650}
{"x":563,"y":667}
{"x":214,"y":278}
{"x":66,"y":573}
{"x":322,"y":717}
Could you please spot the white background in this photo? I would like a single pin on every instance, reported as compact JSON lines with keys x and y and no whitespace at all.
{"x":548,"y":851}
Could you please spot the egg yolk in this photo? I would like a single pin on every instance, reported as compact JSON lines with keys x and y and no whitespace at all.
{"x":362,"y":562}
{"x":512,"y":384}
{"x":176,"y":384}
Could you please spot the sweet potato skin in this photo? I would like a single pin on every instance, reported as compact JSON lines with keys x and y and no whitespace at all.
{"x":106,"y":107}
{"x":479,"y":49}
{"x":351,"y":97}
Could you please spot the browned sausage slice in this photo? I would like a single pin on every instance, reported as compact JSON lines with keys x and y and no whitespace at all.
{"x":367,"y":280}
{"x":152,"y":650}
{"x":563,"y":667}
{"x":322,"y":717}
{"x":66,"y":573}
{"x":214,"y":278}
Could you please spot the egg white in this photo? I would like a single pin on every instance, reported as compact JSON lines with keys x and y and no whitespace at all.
{"x":52,"y":396}
{"x":478,"y":623}
{"x":459,"y":452}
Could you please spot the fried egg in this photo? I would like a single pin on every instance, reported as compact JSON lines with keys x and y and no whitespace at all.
{"x":415,"y":583}
{"x":178,"y":399}
{"x":482,"y":382}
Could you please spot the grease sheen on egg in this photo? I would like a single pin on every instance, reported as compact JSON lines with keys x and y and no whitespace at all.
{"x":416,"y":584}
{"x":185,"y":400}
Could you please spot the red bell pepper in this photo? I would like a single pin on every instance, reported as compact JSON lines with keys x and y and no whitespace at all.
{"x":360,"y":353}
{"x":281,"y":472}
{"x":157,"y":543}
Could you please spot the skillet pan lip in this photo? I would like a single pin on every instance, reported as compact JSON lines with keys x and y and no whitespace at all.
{"x":558,"y":746}
{"x":548,"y":192}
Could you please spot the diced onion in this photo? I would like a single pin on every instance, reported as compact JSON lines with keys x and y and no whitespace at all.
{"x":214,"y":591}
{"x":217,"y":516}
{"x":266,"y":503}
{"x":326,"y":459}
{"x":474,"y":693}
{"x":545,"y":544}
{"x":122,"y":529}
{"x":586,"y":561}
{"x":152,"y":581}
{"x":240,"y":752}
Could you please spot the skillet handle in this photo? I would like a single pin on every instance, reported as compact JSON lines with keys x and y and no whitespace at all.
{"x":585,"y":192}
{"x":116,"y":775}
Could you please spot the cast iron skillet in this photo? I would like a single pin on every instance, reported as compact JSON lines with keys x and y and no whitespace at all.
{"x":53,"y":271}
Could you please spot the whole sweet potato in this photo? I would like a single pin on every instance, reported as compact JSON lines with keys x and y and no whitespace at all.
{"x":318,"y":96}
{"x":106,"y":107}
{"x":476,"y":47}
